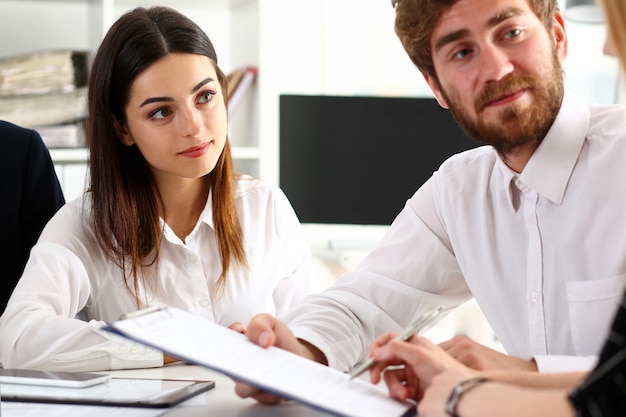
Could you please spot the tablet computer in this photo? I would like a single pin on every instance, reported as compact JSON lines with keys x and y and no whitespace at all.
{"x":51,"y":378}
{"x":121,"y":392}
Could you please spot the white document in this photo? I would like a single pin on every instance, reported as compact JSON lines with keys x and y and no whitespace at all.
{"x":201,"y":342}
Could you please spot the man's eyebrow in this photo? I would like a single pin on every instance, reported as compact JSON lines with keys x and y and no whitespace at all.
{"x":449,"y":38}
{"x":494,"y":21}
{"x":504,"y":15}
{"x":169,"y":99}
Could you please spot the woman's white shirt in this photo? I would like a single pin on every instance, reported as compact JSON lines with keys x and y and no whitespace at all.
{"x":69,"y":276}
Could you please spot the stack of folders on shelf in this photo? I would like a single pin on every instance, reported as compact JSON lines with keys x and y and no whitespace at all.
{"x":46,"y":91}
{"x":239,"y":82}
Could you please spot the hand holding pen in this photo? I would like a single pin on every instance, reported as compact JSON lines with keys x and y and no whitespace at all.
{"x":409,"y":331}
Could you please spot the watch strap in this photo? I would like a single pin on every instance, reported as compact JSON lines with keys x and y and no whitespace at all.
{"x":458,"y":391}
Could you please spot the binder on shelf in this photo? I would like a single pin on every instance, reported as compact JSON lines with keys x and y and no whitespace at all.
{"x":46,"y":88}
{"x":67,"y":135}
{"x":44,"y":109}
{"x":43,"y":72}
{"x":240,"y":82}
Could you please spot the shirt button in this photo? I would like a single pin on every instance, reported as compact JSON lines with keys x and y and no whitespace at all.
{"x":192,"y":258}
{"x":123,"y":350}
{"x":534,"y":297}
{"x":205,"y":303}
{"x":531,"y":220}
{"x":134,"y":349}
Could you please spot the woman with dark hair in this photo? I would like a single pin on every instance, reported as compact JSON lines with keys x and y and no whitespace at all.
{"x":165,"y":220}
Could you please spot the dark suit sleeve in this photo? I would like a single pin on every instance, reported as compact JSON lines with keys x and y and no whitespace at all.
{"x":603,"y":392}
{"x":32,"y":194}
{"x":42,"y":192}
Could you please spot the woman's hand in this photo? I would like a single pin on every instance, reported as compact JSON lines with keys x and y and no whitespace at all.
{"x":238,"y":327}
{"x":408,"y":368}
{"x":436,"y":395}
{"x":169,"y":359}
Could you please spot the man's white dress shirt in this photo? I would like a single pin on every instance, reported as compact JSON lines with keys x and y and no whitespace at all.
{"x":543,"y":252}
{"x":69,"y":275}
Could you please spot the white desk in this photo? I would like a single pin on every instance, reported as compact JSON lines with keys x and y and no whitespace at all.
{"x":220,"y":401}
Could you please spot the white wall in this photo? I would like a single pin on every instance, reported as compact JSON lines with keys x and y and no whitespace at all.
{"x":349,"y":47}
{"x":588,"y":72}
{"x":344,"y":47}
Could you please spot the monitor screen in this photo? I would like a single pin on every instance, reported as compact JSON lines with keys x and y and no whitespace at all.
{"x":356,"y":160}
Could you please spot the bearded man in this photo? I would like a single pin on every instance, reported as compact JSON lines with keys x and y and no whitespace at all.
{"x":531,"y":225}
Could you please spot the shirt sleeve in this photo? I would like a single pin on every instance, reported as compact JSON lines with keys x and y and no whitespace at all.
{"x":44,"y":308}
{"x":394,"y":284}
{"x":296,"y":276}
{"x":562,"y":363}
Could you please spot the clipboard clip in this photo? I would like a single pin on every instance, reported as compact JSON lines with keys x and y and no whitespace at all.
{"x":144,"y":311}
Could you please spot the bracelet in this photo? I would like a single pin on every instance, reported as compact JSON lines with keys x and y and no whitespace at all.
{"x":458,"y":391}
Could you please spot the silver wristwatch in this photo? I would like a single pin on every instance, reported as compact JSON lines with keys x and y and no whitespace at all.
{"x":458,"y":391}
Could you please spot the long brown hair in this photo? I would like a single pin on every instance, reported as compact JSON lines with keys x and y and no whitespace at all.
{"x":125,"y":197}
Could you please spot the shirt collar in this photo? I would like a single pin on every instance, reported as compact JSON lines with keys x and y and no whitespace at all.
{"x":550,"y":167}
{"x":206,"y":217}
{"x":207,"y":214}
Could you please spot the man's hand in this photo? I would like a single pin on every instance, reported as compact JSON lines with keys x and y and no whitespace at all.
{"x":479,"y":357}
{"x":266,"y":330}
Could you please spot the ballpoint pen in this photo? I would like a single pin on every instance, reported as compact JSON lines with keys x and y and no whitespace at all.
{"x":412,"y":329}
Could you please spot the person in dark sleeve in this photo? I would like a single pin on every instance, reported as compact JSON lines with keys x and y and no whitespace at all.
{"x":31,"y":194}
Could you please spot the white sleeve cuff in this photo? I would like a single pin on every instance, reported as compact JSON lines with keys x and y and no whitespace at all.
{"x":126,"y":354}
{"x":559,"y":363}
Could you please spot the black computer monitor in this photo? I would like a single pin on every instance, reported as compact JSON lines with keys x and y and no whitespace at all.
{"x":356,"y":160}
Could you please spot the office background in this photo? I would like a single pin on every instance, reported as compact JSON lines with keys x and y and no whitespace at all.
{"x":305,"y":47}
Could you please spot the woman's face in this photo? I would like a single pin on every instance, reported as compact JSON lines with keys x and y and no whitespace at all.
{"x":177,"y":117}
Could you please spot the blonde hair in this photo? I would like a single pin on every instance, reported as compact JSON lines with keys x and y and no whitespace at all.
{"x":615,"y":16}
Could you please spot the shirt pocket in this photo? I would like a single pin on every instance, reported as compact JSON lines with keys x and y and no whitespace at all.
{"x":592,"y":306}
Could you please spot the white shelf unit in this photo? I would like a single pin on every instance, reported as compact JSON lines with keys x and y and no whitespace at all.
{"x":34,"y":25}
{"x":299,"y":46}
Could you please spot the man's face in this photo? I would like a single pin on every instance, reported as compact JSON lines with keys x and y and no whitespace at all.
{"x":499,"y":71}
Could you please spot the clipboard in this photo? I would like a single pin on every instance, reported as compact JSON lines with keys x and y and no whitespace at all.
{"x":201,"y":342}
{"x":119,"y":392}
